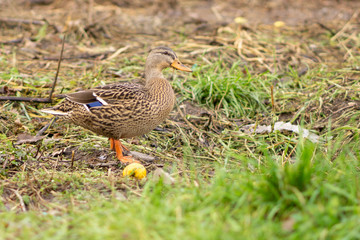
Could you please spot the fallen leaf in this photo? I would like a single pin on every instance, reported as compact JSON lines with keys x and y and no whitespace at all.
{"x":240,"y":20}
{"x":27,"y":138}
{"x":142,"y":156}
{"x":161,"y":174}
{"x":279,"y":24}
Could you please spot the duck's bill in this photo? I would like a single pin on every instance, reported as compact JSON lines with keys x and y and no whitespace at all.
{"x":177,"y":65}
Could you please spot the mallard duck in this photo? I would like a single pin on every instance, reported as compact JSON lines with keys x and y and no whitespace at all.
{"x":124,"y":110}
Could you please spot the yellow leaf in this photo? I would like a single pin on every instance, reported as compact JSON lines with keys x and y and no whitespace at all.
{"x":279,"y":24}
{"x":240,"y":20}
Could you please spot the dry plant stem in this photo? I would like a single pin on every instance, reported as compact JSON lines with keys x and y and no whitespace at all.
{"x":339,"y":33}
{"x":131,"y":190}
{"x":72,"y":159}
{"x":41,"y":132}
{"x":22,"y":204}
{"x":37,"y":150}
{"x":81,"y":56}
{"x":326,"y":28}
{"x":25,"y":21}
{"x":289,"y":155}
{"x":273,"y":108}
{"x":5,"y":163}
{"x":25,"y":99}
{"x":58,"y":68}
{"x":110,"y":164}
{"x":14,"y":41}
{"x":272,"y":99}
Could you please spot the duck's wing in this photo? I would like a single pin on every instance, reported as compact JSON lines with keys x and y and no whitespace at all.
{"x":107,"y":94}
{"x":116,"y":94}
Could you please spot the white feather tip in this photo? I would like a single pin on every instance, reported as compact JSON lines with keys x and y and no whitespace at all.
{"x":54,"y":112}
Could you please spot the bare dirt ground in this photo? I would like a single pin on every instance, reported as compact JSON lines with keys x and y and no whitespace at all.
{"x":148,"y":23}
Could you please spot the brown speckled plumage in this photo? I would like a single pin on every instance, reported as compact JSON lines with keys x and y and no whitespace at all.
{"x":127,"y":109}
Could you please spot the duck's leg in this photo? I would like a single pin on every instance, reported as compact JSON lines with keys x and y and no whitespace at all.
{"x":112,"y":144}
{"x":119,"y":152}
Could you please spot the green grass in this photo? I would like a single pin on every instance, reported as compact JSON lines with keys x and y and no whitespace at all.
{"x":242,"y":186}
{"x":317,"y":196}
{"x":235,"y":93}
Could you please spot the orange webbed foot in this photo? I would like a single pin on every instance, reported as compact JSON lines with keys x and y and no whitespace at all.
{"x":119,"y":152}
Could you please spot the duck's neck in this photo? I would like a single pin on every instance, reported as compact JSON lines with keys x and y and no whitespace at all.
{"x":158,"y":87}
{"x":152,"y":73}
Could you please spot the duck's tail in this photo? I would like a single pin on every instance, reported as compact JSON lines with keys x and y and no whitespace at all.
{"x":55,"y":112}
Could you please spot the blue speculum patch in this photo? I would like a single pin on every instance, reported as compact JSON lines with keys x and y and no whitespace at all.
{"x":94,"y":104}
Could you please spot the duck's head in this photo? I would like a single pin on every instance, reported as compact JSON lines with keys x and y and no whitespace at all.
{"x":163,"y":57}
